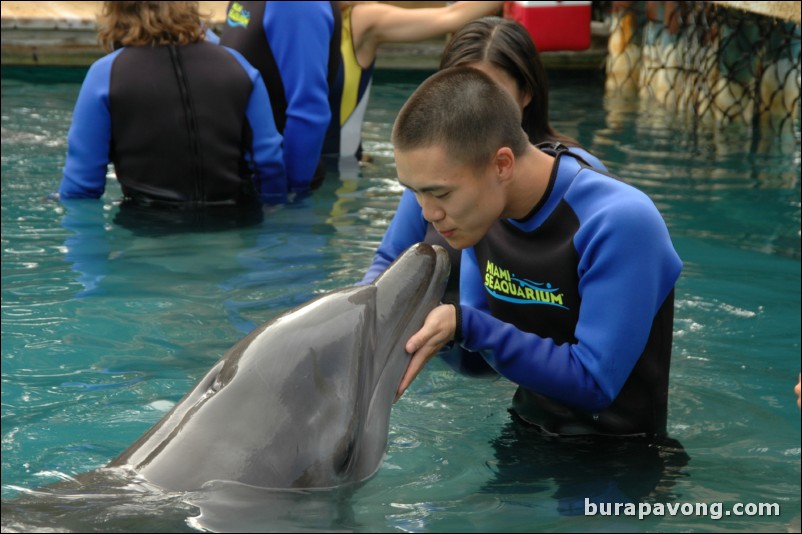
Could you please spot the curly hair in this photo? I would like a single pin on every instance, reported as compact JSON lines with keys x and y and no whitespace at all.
{"x":149,"y":23}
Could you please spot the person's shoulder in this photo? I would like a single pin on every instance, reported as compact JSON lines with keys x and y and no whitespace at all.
{"x":587,"y":157}
{"x":236,"y":56}
{"x":602,"y":192}
{"x":102,"y":66}
{"x":216,"y":56}
{"x":109,"y":58}
{"x":216,"y":50}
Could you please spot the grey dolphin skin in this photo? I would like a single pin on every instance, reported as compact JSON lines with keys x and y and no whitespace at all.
{"x":304,"y":400}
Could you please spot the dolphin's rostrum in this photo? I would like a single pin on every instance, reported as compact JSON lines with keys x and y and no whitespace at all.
{"x":304,"y":400}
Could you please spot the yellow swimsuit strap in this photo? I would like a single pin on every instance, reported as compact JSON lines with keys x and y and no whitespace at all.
{"x":352,"y":72}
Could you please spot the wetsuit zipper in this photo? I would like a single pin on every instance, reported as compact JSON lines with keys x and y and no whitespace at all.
{"x":192,"y":125}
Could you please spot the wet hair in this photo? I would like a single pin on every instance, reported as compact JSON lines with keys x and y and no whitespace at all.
{"x":149,"y":23}
{"x":463,"y":110}
{"x":507,"y":45}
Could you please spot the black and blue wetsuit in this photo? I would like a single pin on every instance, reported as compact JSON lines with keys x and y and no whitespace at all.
{"x":594,"y":241}
{"x":184,"y":125}
{"x":295,"y":45}
{"x":409,"y":227}
{"x":575,"y":305}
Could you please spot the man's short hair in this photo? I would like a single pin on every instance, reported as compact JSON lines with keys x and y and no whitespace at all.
{"x":466,"y":112}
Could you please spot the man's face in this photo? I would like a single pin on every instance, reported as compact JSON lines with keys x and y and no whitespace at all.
{"x":462,"y":202}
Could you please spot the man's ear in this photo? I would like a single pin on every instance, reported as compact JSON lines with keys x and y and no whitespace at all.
{"x":504,"y":163}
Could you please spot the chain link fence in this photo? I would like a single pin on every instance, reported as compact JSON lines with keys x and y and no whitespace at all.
{"x":716,"y":62}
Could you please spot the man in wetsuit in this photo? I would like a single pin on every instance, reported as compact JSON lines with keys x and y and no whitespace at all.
{"x":567,"y":273}
{"x":295,"y":46}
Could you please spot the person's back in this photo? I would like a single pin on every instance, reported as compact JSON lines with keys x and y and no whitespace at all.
{"x":179,"y":142}
{"x":294,"y":45}
{"x":179,"y":117}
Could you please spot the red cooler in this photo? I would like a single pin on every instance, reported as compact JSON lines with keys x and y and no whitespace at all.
{"x":553,"y":25}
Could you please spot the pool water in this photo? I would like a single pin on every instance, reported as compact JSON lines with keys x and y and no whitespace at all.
{"x":104,"y":329}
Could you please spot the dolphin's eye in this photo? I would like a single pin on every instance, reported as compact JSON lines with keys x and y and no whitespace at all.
{"x":217,"y":385}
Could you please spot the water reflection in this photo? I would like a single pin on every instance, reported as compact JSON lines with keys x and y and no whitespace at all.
{"x":102,"y":501}
{"x":86,"y":247}
{"x":709,"y":183}
{"x":247,"y":258}
{"x":111,"y":500}
{"x":586,"y":470}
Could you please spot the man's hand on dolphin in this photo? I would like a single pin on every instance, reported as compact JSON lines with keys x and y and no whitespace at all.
{"x":437,"y":330}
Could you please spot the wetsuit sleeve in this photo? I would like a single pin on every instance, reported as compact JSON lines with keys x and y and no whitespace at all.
{"x":627,"y":267}
{"x":299,"y":34}
{"x":89,"y":137}
{"x":267,"y":155}
{"x":407,"y":228}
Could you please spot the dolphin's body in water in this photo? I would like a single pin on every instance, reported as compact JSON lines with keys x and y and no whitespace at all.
{"x":304,"y":400}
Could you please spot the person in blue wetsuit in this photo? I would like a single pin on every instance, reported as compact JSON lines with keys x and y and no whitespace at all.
{"x":186,"y":123}
{"x":567,"y":273}
{"x":504,"y":50}
{"x":366,"y":26}
{"x":295,"y":45}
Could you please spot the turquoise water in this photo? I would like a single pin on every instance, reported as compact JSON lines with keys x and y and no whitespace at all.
{"x":103,"y":330}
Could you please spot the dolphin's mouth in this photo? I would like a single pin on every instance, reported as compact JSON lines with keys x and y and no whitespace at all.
{"x":420,"y":262}
{"x":405,"y":294}
{"x":442,"y":266}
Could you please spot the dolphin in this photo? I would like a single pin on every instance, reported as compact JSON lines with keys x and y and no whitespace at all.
{"x":304,"y":400}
